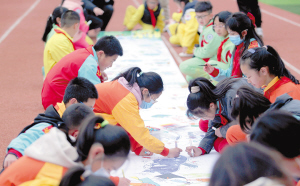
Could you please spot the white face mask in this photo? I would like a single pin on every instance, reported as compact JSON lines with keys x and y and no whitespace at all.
{"x":100,"y":172}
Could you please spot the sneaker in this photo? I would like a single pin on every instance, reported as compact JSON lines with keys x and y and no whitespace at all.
{"x":259,"y":32}
{"x":182,"y":54}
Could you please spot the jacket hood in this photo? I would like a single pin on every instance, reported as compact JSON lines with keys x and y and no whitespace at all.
{"x":135,"y":89}
{"x":53,"y":147}
{"x":280,"y":101}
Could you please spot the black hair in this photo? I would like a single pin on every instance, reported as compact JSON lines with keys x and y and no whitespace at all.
{"x":279,"y":130}
{"x":81,"y":89}
{"x":208,"y":94}
{"x":75,"y":114}
{"x":266,"y":57}
{"x":110,"y":45}
{"x":203,"y":6}
{"x":248,"y":103}
{"x":239,"y":22}
{"x":57,"y":12}
{"x":69,"y":18}
{"x":74,"y":178}
{"x":223,"y":16}
{"x":185,"y":1}
{"x":150,"y":80}
{"x":245,"y":163}
{"x":114,"y":139}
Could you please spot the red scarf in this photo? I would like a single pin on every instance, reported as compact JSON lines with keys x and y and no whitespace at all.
{"x":236,"y":70}
{"x":153,"y":20}
{"x":281,"y":81}
{"x":219,"y":54}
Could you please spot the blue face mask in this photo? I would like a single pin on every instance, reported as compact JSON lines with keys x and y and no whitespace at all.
{"x":146,"y":105}
{"x":236,"y":39}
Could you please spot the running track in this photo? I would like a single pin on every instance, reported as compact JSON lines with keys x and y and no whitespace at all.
{"x":21,"y":51}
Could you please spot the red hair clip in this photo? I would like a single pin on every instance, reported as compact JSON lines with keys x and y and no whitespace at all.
{"x":252,"y":18}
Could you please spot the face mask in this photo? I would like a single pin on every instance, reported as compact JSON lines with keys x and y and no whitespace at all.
{"x":100,"y":172}
{"x":146,"y":105}
{"x":236,"y":39}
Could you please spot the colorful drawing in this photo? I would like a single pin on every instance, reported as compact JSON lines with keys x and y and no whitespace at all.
{"x":167,"y":165}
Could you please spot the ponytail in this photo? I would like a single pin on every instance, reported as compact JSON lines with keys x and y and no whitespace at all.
{"x":150,"y":80}
{"x":95,"y":129}
{"x":203,"y":92}
{"x":239,"y":22}
{"x":57,"y":12}
{"x":74,"y":178}
{"x":248,"y":104}
{"x":261,"y":57}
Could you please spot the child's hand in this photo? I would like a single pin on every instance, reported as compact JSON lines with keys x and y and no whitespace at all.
{"x":98,"y":11}
{"x":124,"y":182}
{"x":174,"y":152}
{"x":9,"y":159}
{"x":145,"y":152}
{"x":104,"y":76}
{"x":208,"y":68}
{"x":197,"y":151}
{"x":218,"y":133}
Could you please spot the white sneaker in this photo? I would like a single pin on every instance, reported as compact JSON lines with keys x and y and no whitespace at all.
{"x":259,"y":31}
{"x":182,"y":54}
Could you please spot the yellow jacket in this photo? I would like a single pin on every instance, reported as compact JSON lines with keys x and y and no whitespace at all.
{"x":59,"y":45}
{"x":190,"y":29}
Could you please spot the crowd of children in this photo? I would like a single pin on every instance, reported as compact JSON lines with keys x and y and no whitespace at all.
{"x":246,"y":99}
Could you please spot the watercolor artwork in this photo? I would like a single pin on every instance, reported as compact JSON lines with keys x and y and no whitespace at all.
{"x":166,"y":119}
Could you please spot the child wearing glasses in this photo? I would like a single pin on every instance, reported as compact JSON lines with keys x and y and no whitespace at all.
{"x":209,"y":42}
{"x":241,"y":29}
{"x":149,"y":15}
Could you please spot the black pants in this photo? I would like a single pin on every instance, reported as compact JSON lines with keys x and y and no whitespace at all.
{"x":108,"y":11}
{"x":252,"y":7}
{"x":96,"y":21}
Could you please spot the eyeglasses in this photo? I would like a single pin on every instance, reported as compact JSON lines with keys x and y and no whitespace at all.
{"x":201,"y":17}
{"x":218,"y":26}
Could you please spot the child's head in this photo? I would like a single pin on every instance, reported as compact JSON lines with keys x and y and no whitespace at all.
{"x":101,"y":146}
{"x":152,"y":4}
{"x":181,"y":3}
{"x":150,"y":83}
{"x":73,"y":117}
{"x":261,"y":63}
{"x":246,"y":162}
{"x":247,"y":106}
{"x":74,"y":177}
{"x":70,"y":21}
{"x":241,"y":29}
{"x":203,"y":11}
{"x":108,"y":49}
{"x":80,"y":90}
{"x":219,"y":23}
{"x":203,"y":97}
{"x":279,"y":130}
{"x":54,"y":18}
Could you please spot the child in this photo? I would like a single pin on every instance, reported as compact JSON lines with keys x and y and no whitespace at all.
{"x":209,"y":42}
{"x":250,"y":165}
{"x":100,"y":148}
{"x":242,"y":33}
{"x":186,"y":31}
{"x":61,"y":43}
{"x":263,"y":67}
{"x":78,"y":90}
{"x":149,"y":15}
{"x":119,"y":102}
{"x":279,"y":130}
{"x":71,"y":178}
{"x":87,"y":62}
{"x":53,"y":22}
{"x":212,"y":103}
{"x":81,"y":40}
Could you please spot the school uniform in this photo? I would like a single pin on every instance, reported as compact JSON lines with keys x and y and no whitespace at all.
{"x":209,"y":42}
{"x":119,"y":104}
{"x":234,"y":69}
{"x":52,"y":32}
{"x":80,"y":63}
{"x":284,"y":102}
{"x":58,"y":46}
{"x":222,"y":118}
{"x":148,"y":19}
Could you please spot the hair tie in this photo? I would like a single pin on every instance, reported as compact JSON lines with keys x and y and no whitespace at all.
{"x":101,"y":125}
{"x":139,"y":74}
{"x":252,"y":18}
{"x":195,"y":89}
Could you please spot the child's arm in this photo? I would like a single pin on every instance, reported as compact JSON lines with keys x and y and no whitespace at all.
{"x":191,"y":28}
{"x":89,"y":70}
{"x":89,"y":5}
{"x":136,"y":17}
{"x":60,"y":49}
{"x":160,"y":24}
{"x":209,"y":44}
{"x":207,"y":142}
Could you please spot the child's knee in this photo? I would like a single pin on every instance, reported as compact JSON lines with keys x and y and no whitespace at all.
{"x":220,"y":144}
{"x":203,"y":125}
{"x":174,"y":40}
{"x":235,"y":134}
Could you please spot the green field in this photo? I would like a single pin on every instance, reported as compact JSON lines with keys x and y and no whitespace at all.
{"x":288,"y":5}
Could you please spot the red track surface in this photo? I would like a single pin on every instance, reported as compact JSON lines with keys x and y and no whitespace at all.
{"x":22,"y":54}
